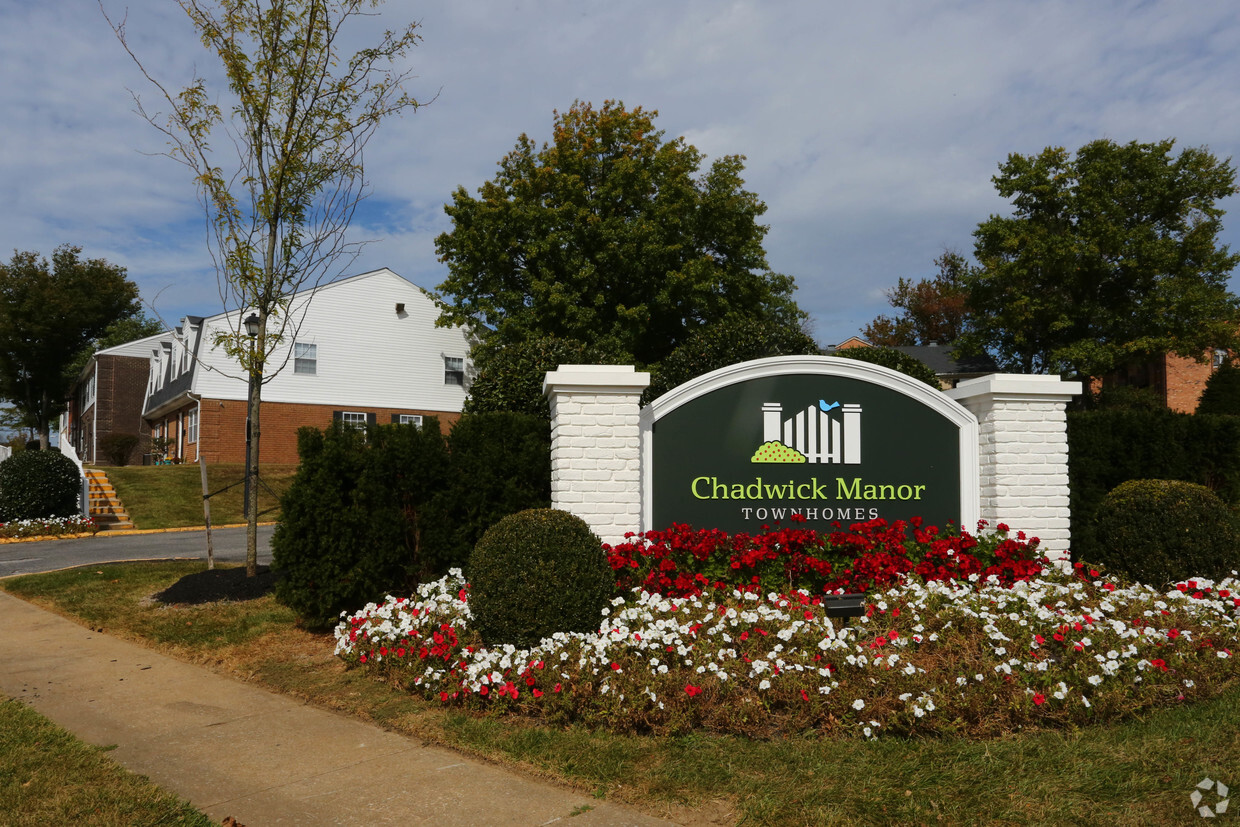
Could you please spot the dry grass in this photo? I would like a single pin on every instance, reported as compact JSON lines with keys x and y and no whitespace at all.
{"x":170,"y":496}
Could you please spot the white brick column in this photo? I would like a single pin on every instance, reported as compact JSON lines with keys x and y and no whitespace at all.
{"x":1023,"y":445}
{"x":595,"y":445}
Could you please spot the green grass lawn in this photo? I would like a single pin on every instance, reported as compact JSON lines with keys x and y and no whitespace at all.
{"x":170,"y":496}
{"x":47,"y":776}
{"x":1138,"y":772}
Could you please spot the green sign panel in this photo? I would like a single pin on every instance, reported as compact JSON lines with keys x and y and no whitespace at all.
{"x":831,"y":448}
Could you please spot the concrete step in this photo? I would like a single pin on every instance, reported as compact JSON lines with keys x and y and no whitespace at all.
{"x":104,"y":505}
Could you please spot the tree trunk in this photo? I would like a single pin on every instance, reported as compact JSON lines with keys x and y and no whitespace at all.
{"x":45,"y":424}
{"x":251,"y":461}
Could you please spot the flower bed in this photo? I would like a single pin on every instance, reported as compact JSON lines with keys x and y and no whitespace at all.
{"x":682,"y":561}
{"x":47,"y":527}
{"x":932,"y":655}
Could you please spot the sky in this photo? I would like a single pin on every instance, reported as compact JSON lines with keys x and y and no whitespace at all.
{"x":871,"y":130}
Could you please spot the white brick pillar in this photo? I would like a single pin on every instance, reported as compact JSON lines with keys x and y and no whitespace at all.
{"x":595,"y":445}
{"x":1023,"y":446}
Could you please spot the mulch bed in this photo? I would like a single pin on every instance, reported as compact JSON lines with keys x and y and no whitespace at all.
{"x":211,"y":585}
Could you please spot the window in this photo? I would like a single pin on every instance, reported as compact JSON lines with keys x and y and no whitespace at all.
{"x":305,"y":358}
{"x":453,"y":370}
{"x":353,"y":419}
{"x":410,"y":419}
{"x":191,"y":427}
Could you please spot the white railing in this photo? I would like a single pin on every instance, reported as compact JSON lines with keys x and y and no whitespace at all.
{"x":66,"y":448}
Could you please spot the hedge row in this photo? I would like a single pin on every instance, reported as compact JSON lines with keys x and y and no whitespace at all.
{"x":379,"y":510}
{"x":1109,"y":447}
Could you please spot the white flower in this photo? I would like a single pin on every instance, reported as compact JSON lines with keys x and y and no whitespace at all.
{"x":765,"y":684}
{"x":858,"y":704}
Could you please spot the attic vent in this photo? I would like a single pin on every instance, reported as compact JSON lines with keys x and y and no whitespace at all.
{"x":400,"y":308}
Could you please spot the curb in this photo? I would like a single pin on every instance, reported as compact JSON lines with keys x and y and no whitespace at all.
{"x":123,"y":533}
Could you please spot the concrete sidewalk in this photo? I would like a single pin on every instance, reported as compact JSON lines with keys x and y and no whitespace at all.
{"x":235,"y":749}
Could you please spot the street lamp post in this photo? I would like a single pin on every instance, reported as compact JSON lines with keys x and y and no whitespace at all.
{"x":251,"y":463}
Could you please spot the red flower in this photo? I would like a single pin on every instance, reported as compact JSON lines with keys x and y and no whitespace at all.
{"x":1039,"y":699}
{"x":538,"y":693}
{"x":691,"y":690}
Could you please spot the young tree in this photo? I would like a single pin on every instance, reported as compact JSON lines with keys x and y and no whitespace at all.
{"x":608,"y":235}
{"x":1111,"y":255}
{"x":933,"y":310}
{"x":282,"y":191}
{"x":48,"y":314}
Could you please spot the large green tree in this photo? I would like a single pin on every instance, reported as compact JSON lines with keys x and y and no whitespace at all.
{"x":931,"y":310}
{"x":280,"y":175}
{"x":608,"y":234}
{"x":50,"y":312}
{"x":123,"y":330}
{"x":1110,"y":255}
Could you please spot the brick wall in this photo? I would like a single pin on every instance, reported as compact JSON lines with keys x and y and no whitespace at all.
{"x":121,"y":391}
{"x":1183,"y":380}
{"x":221,"y":428}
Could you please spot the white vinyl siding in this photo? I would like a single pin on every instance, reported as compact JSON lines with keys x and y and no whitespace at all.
{"x":378,"y":359}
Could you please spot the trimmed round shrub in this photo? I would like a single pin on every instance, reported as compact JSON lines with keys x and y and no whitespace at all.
{"x":535,"y":573}
{"x":510,"y":376}
{"x":889,"y":357}
{"x":1222,"y":391}
{"x":1165,"y":531}
{"x":729,"y":341}
{"x":37,"y":484}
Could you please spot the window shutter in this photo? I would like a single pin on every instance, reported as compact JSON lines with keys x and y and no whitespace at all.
{"x":372,"y":418}
{"x":395,"y":419}
{"x":336,"y":415}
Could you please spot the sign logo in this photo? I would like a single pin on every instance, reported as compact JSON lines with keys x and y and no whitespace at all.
{"x":1220,"y":804}
{"x":816,"y":438}
{"x":811,"y":435}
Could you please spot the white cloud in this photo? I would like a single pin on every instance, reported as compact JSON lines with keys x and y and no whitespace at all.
{"x":871,"y":130}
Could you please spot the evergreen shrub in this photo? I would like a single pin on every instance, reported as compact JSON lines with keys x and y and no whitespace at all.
{"x":37,"y":484}
{"x":499,"y":464}
{"x":889,"y":357}
{"x":118,"y":447}
{"x":355,"y":519}
{"x":1166,"y":531}
{"x":1108,"y":447}
{"x":1222,"y":392}
{"x":510,"y":376}
{"x":726,"y":342}
{"x":536,"y":573}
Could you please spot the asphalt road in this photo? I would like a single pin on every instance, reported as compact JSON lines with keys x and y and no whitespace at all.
{"x":49,"y":555}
